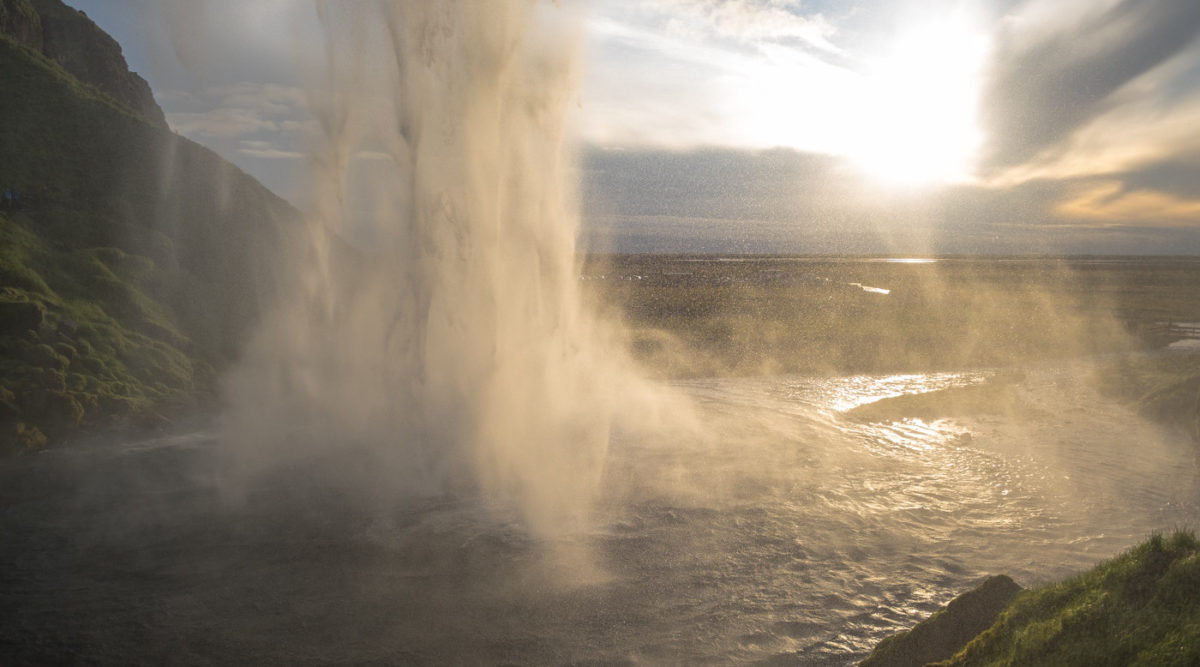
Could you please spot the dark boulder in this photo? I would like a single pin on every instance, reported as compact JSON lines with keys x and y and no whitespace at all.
{"x":945,"y":633}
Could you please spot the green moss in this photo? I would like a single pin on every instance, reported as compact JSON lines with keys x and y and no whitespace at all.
{"x":82,"y":344}
{"x":128,"y":263}
{"x":20,"y":438}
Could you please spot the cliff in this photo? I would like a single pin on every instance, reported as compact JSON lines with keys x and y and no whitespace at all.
{"x":69,"y":38}
{"x":132,"y":260}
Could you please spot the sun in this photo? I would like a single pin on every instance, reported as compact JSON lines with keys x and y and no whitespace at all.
{"x":904,"y":113}
{"x":917,"y":117}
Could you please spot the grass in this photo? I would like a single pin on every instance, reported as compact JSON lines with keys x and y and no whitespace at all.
{"x":131,"y":268}
{"x":93,"y":351}
{"x":1141,"y":608}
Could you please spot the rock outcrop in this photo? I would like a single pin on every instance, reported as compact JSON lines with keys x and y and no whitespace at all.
{"x":133,"y":261}
{"x":19,"y":20}
{"x":68,"y":37}
{"x":945,"y":633}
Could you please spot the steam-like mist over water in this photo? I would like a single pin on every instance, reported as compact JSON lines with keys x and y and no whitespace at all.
{"x":805,"y":538}
{"x":456,"y":352}
{"x":435,"y":450}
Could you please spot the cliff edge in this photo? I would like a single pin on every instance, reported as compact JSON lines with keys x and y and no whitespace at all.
{"x":132,"y":261}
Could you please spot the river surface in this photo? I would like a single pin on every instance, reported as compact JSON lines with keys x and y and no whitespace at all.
{"x":799,"y":537}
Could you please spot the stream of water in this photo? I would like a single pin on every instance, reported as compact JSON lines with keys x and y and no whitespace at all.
{"x":798,"y":536}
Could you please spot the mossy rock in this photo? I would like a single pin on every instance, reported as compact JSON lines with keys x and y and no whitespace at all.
{"x":64,"y":407}
{"x":76,"y":382}
{"x":66,"y":350}
{"x":45,"y":356}
{"x":8,"y":406}
{"x":17,"y":317}
{"x":20,"y":438}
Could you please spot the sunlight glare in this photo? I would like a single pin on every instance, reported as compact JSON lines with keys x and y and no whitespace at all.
{"x":904,"y":117}
{"x":917,"y":118}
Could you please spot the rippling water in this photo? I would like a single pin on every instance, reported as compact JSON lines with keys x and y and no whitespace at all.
{"x":795,"y":536}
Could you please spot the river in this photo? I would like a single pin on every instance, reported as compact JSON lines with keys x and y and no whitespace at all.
{"x":795,"y":536}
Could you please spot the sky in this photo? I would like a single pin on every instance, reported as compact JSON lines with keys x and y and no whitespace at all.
{"x":789,"y":126}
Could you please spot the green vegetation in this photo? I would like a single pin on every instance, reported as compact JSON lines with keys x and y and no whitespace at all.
{"x":94,"y":351}
{"x":132,"y":263}
{"x":1141,"y":608}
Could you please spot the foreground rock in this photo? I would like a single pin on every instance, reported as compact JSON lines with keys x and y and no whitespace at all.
{"x":945,"y":633}
{"x":1140,"y":608}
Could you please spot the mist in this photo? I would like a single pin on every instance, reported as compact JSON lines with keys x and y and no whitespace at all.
{"x":454,"y":422}
{"x":456,"y":352}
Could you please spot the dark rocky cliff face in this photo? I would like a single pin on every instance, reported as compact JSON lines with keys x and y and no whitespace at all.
{"x":19,"y":20}
{"x":68,"y":37}
{"x":133,"y":262}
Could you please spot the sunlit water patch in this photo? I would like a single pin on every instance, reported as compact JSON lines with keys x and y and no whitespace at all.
{"x":872,"y":290}
{"x":786,"y":531}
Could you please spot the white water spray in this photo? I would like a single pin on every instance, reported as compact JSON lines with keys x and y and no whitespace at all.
{"x":456,"y":351}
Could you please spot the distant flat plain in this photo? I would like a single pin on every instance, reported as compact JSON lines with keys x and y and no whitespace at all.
{"x":711,"y":315}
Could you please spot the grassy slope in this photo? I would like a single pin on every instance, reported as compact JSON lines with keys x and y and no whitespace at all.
{"x":1141,"y":608}
{"x":65,"y":359}
{"x":131,"y":266}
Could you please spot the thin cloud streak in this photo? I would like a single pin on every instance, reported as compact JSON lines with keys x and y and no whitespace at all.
{"x":750,"y":21}
{"x":1109,"y":201}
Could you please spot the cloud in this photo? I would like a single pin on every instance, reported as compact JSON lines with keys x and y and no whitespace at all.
{"x":647,"y":87}
{"x":785,"y":201}
{"x":1110,"y":202}
{"x":1139,"y":135}
{"x":374,"y":156}
{"x":1098,"y":106}
{"x":717,"y":183}
{"x":1089,"y":113}
{"x":218,"y":123}
{"x":750,"y":20}
{"x":268,"y":98}
{"x":1046,"y":84}
{"x":700,"y":72}
{"x":266,"y":150}
{"x":218,"y":42}
{"x":236,"y":110}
